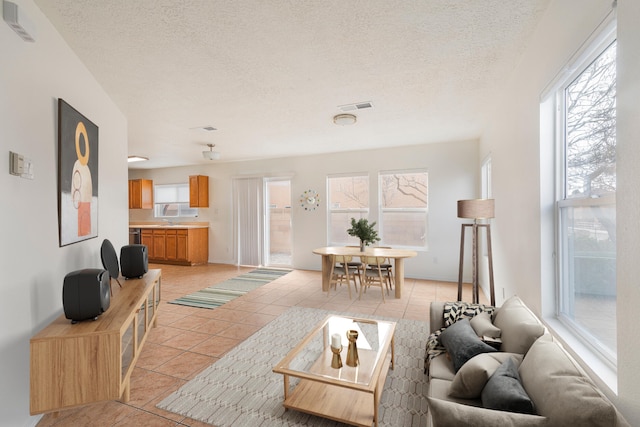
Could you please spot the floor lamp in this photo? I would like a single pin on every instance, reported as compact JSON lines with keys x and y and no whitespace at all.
{"x":475,"y":210}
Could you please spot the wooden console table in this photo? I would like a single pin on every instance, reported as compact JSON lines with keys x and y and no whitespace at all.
{"x":92,"y":361}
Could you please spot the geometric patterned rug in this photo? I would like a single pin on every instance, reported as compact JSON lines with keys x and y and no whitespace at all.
{"x":241,"y":390}
{"x":223,"y":292}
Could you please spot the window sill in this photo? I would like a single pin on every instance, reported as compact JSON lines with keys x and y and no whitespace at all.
{"x":602,"y":373}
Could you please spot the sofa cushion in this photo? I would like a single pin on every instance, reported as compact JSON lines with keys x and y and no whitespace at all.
{"x":439,"y":389}
{"x":519,"y":326}
{"x":441,"y":367}
{"x":483,"y":326}
{"x":560,"y":390}
{"x":473,"y":376}
{"x":447,"y":414}
{"x":504,"y":391}
{"x":462,"y":343}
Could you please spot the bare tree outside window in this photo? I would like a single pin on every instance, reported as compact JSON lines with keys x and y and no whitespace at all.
{"x":404,"y":208}
{"x":348,"y":197}
{"x":587,"y":212}
{"x":591,"y":128}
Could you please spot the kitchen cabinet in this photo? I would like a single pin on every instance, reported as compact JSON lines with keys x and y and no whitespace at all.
{"x":140,"y":194}
{"x":176,"y":245}
{"x":198,"y":191}
{"x":92,"y":361}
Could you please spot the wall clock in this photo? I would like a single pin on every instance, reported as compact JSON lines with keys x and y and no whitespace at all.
{"x":309,"y":200}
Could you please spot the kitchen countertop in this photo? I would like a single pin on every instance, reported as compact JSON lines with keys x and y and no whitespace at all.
{"x":165,"y":226}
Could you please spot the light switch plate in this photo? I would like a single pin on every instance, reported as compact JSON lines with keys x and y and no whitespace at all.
{"x":20,"y":165}
{"x":16,"y":163}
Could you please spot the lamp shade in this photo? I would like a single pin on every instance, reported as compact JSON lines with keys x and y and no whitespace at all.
{"x":476,"y":208}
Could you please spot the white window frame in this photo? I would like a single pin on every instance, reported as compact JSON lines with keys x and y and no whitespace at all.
{"x":422,"y":210}
{"x":596,"y":46}
{"x":356,"y":213}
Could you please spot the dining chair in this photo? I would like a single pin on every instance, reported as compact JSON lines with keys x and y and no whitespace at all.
{"x":373,"y":275}
{"x":357,"y":265}
{"x":339,"y":274}
{"x":386,"y":267}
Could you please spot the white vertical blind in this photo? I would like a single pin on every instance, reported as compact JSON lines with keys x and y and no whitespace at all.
{"x":249,"y":210}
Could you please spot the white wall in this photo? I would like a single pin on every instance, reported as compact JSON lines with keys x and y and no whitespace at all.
{"x":453,"y":174}
{"x":32,"y":77}
{"x":628,"y":206}
{"x":522,"y":178}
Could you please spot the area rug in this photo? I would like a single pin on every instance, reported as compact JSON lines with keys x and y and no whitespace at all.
{"x":241,"y":390}
{"x":223,"y":292}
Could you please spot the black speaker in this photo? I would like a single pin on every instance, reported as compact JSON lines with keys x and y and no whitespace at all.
{"x":86,"y":294}
{"x":134,"y":261}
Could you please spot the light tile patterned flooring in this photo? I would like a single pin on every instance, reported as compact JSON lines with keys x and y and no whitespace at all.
{"x":187,"y":339}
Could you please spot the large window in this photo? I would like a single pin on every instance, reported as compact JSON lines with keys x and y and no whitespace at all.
{"x":403,"y":208}
{"x":348,"y":198}
{"x":172,"y":201}
{"x":586,"y":209}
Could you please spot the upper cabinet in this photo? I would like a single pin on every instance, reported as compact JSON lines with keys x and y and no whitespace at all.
{"x":140,"y":194}
{"x":198,"y":191}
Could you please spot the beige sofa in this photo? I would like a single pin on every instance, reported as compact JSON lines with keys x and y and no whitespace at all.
{"x":560,"y":391}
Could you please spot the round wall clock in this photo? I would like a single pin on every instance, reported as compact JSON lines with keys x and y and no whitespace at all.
{"x":310,"y":200}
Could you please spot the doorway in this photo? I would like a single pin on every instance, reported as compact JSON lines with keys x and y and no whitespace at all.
{"x":277,"y":236}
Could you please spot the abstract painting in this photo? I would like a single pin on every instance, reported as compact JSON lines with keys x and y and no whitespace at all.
{"x":77,"y":176}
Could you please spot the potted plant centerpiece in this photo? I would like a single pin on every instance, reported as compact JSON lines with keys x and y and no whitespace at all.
{"x":363,"y":231}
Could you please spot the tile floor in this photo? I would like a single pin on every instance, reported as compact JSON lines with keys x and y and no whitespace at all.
{"x":187,"y":339}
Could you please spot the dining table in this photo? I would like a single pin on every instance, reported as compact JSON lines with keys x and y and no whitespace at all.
{"x":398,"y":255}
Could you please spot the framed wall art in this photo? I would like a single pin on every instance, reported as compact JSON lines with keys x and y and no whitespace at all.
{"x":77,"y":176}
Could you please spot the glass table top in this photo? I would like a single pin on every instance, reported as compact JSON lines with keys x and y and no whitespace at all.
{"x":311,"y":358}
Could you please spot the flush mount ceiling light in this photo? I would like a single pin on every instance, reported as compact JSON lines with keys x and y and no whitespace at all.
{"x":344,"y":119}
{"x":211,"y":155}
{"x":132,"y":159}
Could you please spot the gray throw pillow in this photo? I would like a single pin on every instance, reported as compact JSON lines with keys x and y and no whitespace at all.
{"x":504,"y":391}
{"x":462,"y":343}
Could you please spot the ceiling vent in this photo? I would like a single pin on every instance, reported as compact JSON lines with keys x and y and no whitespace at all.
{"x":356,"y":106}
{"x":207,"y":128}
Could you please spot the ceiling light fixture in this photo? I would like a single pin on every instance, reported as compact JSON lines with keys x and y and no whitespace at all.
{"x":344,"y":119}
{"x":132,"y":159}
{"x":211,"y":155}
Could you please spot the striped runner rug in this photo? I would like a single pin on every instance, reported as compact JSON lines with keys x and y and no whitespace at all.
{"x":223,"y":292}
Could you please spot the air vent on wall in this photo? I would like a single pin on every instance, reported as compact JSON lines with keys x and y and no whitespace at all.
{"x":356,"y":106}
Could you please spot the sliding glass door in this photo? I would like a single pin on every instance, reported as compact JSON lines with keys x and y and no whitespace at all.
{"x":278,"y":242}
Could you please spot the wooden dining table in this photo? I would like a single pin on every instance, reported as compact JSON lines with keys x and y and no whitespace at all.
{"x":398,"y":256}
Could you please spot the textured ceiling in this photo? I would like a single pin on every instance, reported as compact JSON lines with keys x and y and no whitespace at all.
{"x":270,"y":75}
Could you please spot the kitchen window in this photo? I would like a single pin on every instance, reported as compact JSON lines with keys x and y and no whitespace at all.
{"x":172,"y":201}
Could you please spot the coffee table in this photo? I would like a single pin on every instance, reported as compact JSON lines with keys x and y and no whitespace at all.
{"x":348,"y":394}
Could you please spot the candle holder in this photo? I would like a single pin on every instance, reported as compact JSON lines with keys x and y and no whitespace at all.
{"x":352,"y":350}
{"x":336,"y":361}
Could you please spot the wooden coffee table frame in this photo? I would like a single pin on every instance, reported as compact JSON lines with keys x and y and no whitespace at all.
{"x":332,"y":398}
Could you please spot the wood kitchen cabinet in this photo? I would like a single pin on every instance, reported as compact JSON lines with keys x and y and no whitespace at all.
{"x":140,"y":194}
{"x":175,"y":245}
{"x":92,"y":361}
{"x":146,"y":238}
{"x":198,"y":191}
